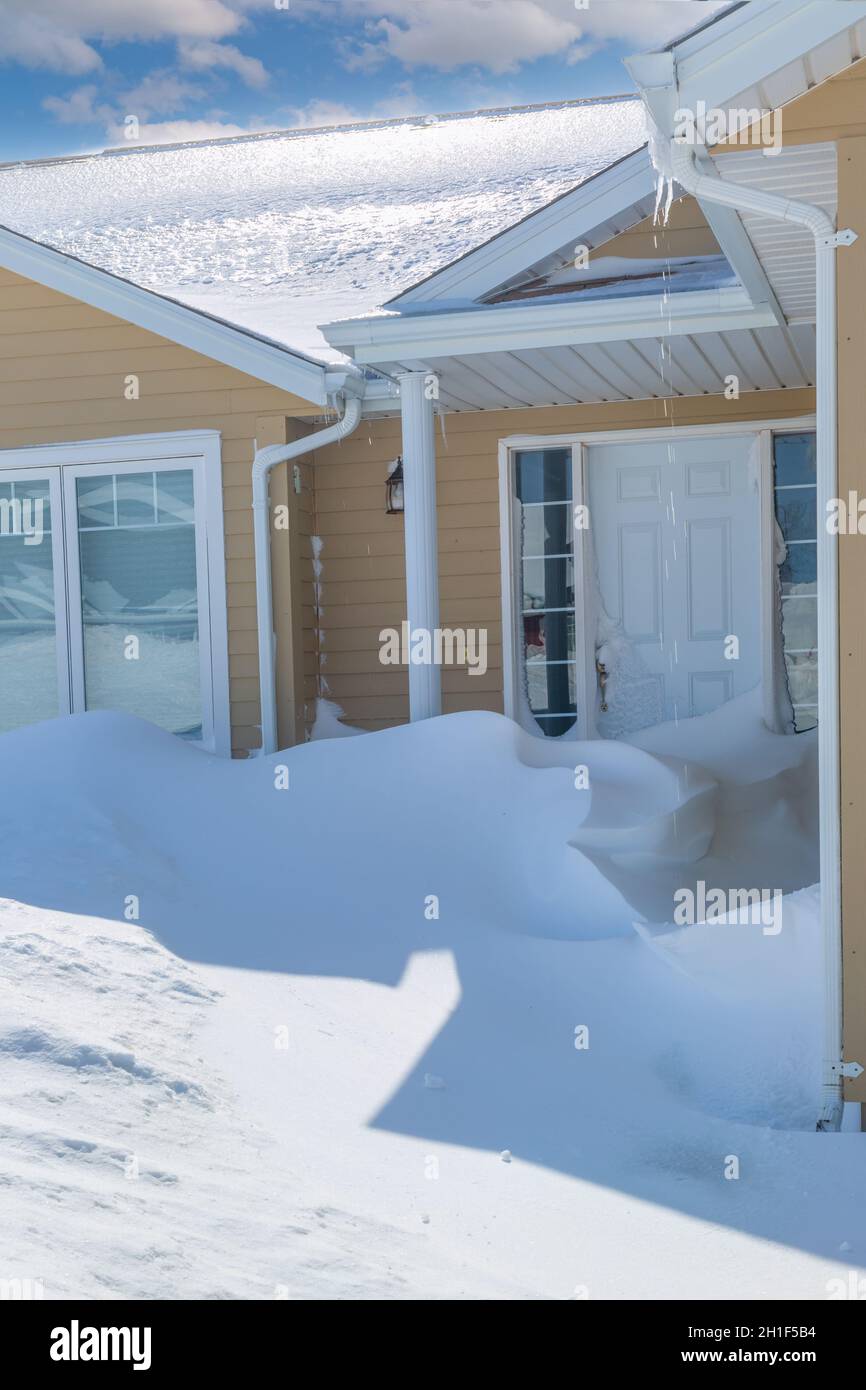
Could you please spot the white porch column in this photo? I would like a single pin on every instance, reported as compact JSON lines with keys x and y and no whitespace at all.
{"x":419,"y":521}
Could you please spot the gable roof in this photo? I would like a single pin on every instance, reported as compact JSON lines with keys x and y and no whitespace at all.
{"x":283,"y":232}
{"x":236,"y":347}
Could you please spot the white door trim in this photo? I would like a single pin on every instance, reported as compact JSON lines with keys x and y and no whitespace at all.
{"x":761,"y":430}
{"x":200,"y":450}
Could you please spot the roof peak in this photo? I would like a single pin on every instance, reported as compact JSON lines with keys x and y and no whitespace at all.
{"x":304,"y":132}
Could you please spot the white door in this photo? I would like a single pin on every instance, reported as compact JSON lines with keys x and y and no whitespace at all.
{"x":675,"y":528}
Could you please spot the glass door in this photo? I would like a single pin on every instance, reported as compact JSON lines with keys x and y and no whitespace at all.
{"x":138,"y":620}
{"x":34,"y":665}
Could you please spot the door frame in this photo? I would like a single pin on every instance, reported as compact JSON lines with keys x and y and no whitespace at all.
{"x":579,"y":443}
{"x":196,"y":449}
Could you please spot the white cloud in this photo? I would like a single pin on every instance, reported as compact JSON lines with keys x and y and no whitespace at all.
{"x":402,"y":101}
{"x":58,"y":34}
{"x":499,"y":35}
{"x":203,"y":54}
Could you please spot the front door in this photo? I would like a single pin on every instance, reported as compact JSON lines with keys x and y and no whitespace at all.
{"x":676,"y":533}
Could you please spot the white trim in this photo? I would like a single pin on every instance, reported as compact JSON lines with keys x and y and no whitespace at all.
{"x":201,"y":332}
{"x":762,"y":431}
{"x":741,"y":49}
{"x":197,"y":449}
{"x":620,"y":186}
{"x":517,"y":327}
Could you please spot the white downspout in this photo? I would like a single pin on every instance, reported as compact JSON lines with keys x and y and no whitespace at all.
{"x":718,"y":190}
{"x":265,"y":460}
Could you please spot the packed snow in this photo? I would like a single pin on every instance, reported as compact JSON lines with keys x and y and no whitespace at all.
{"x":281,"y":233}
{"x":405,"y":1015}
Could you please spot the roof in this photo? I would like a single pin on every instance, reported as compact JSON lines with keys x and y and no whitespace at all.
{"x":282,"y":232}
{"x":237,"y":347}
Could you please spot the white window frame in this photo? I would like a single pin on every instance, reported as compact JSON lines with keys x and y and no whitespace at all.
{"x":198,"y":450}
{"x":585,"y":676}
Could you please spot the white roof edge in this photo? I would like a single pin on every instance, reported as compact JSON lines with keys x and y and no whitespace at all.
{"x":514,"y":328}
{"x":191,"y":328}
{"x":539,"y":234}
{"x":742,"y":47}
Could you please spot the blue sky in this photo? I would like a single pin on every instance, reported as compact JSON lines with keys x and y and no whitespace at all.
{"x":77,"y":75}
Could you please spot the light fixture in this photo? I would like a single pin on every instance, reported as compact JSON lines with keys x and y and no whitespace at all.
{"x":394,"y":487}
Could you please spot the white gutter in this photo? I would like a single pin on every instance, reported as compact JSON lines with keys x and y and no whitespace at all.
{"x":718,"y":190}
{"x":265,"y":460}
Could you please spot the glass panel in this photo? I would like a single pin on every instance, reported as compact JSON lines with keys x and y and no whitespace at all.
{"x":544,"y":475}
{"x":174,"y":492}
{"x":795,"y":512}
{"x":800,"y":624}
{"x":795,"y":456}
{"x":549,"y":637}
{"x":794,"y":459}
{"x":136,"y":499}
{"x":96,"y":502}
{"x":551,"y":689}
{"x":140,"y":603}
{"x":803,"y":678}
{"x":548,"y":584}
{"x":548,"y":530}
{"x":28,"y":638}
{"x":799,"y":570}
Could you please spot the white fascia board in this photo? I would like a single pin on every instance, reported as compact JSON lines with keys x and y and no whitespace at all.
{"x":516,"y":328}
{"x":542,"y":233}
{"x":745,"y":47}
{"x":199,"y":332}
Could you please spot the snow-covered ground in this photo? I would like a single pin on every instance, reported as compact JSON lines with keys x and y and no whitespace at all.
{"x":280,"y":233}
{"x":291,"y":1078}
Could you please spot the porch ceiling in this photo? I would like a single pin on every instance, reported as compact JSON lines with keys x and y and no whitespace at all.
{"x":806,"y":173}
{"x":763,"y":359}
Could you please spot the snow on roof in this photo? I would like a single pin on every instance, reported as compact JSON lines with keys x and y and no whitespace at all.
{"x":281,"y":232}
{"x":611,"y":277}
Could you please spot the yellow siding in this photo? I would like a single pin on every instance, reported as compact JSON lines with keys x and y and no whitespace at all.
{"x":686,"y":233}
{"x":363,"y":571}
{"x":62,"y":374}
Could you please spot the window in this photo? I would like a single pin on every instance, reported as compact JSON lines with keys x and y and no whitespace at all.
{"x":116,"y":599}
{"x":543,"y":483}
{"x":795,"y":496}
{"x":139,"y":596}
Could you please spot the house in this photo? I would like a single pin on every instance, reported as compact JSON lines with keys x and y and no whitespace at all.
{"x":618,"y":417}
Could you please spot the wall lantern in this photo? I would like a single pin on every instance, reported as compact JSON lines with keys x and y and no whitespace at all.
{"x":394,"y":487}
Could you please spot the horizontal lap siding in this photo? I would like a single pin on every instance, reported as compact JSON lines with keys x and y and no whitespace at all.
{"x":363,"y":584}
{"x":62,"y":376}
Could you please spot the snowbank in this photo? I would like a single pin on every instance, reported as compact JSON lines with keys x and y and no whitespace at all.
{"x":344,"y":1000}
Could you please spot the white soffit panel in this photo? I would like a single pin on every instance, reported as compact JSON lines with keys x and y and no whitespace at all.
{"x":806,"y":173}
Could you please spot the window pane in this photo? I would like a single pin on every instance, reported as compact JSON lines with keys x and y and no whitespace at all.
{"x":548,"y":584}
{"x":800,"y":624}
{"x":135,"y":500}
{"x":28,"y":641}
{"x":548,"y":530}
{"x":175,"y":497}
{"x":794,"y":459}
{"x":549,"y":637}
{"x":140,"y":609}
{"x":794,"y":456}
{"x":799,"y":572}
{"x":795,"y":511}
{"x":544,"y":475}
{"x":95,"y":501}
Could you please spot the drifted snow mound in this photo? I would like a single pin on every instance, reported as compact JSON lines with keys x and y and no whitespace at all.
{"x":366,"y":831}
